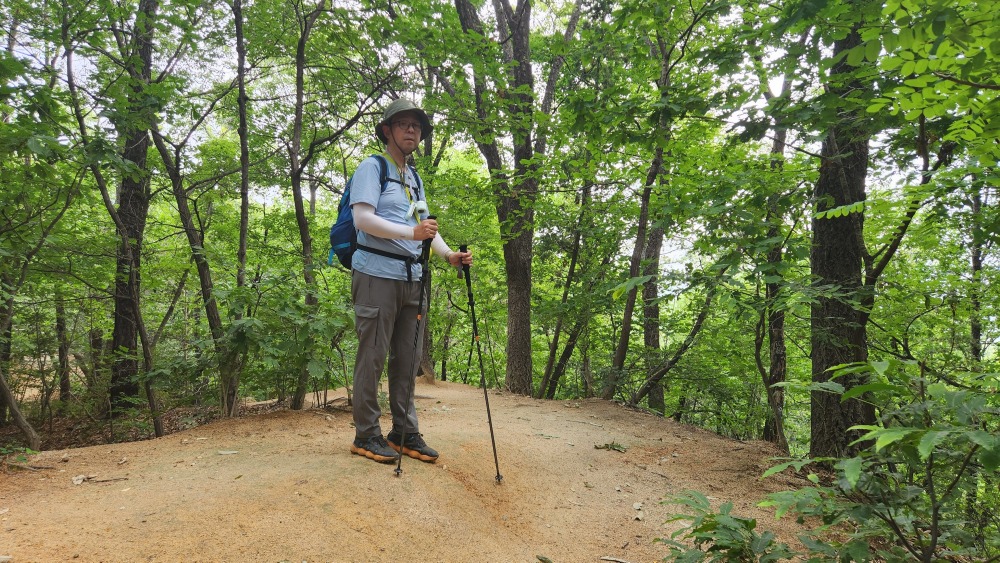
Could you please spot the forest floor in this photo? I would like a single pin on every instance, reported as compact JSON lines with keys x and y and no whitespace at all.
{"x":582,"y":480}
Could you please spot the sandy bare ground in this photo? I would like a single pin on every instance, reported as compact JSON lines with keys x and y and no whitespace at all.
{"x":284,"y":487}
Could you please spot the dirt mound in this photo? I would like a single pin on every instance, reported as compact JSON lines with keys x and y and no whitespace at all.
{"x":582,"y":480}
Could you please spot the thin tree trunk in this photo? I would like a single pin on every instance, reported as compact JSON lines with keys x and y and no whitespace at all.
{"x":621,"y":349}
{"x":657,"y":375}
{"x":6,"y":395}
{"x":426,"y":368}
{"x":228,"y":360}
{"x":774,"y":426}
{"x":974,"y":510}
{"x":670,"y":55}
{"x":651,"y":312}
{"x":65,"y":392}
{"x":559,"y":368}
{"x":298,"y":164}
{"x":586,"y":373}
{"x":977,"y":245}
{"x":543,"y":389}
{"x":638,"y":251}
{"x":242,"y":131}
{"x":581,"y":324}
{"x":230,"y":387}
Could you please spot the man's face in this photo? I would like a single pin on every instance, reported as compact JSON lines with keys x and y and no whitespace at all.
{"x":404,"y":129}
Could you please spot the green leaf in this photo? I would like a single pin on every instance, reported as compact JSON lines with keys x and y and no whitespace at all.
{"x":828,"y":386}
{"x":852,"y":470}
{"x":870,"y":387}
{"x":880,"y":367}
{"x":939,"y":24}
{"x":856,"y":55}
{"x":890,"y":436}
{"x":872,"y":50}
{"x":906,"y":39}
{"x":890,"y":63}
{"x":983,"y":439}
{"x":798,"y":464}
{"x":990,"y":458}
{"x":316,"y":368}
{"x":624,"y":288}
{"x":929,"y":440}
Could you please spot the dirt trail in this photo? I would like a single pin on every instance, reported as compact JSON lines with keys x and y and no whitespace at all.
{"x":285,"y":487}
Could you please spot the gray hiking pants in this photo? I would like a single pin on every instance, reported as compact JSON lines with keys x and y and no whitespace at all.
{"x":385,"y":313}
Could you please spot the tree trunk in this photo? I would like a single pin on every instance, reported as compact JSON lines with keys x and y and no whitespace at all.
{"x":241,"y":100}
{"x":65,"y":392}
{"x":6,"y":396}
{"x":657,"y":374}
{"x":559,"y":369}
{"x":635,"y":264}
{"x":516,"y":187}
{"x":426,"y":368}
{"x":774,"y":425}
{"x":586,"y":373}
{"x":298,"y":165}
{"x":651,"y":313}
{"x":133,"y":207}
{"x":977,"y":244}
{"x":838,"y":327}
{"x":545,"y":388}
{"x":517,"y":212}
{"x":652,"y":174}
{"x":517,"y":256}
{"x":228,"y":360}
{"x":975,"y":511}
{"x":581,"y":324}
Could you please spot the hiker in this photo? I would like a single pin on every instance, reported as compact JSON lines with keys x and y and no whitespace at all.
{"x":385,"y":285}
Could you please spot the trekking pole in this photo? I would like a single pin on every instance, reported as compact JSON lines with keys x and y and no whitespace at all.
{"x":425,"y":253}
{"x":479,"y":350}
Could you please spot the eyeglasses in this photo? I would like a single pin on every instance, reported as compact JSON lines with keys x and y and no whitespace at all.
{"x":404,"y":125}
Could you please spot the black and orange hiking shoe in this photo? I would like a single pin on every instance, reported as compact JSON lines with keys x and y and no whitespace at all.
{"x":415,"y":446}
{"x":374,"y":448}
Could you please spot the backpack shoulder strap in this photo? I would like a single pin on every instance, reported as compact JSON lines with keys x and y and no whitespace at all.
{"x":420,"y":182}
{"x":383,"y":171}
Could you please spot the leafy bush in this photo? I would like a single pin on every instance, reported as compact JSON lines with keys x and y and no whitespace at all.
{"x":923,"y":489}
{"x":720,"y":536}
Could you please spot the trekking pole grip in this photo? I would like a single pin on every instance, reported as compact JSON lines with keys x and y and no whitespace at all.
{"x":425,"y":250}
{"x":465,"y":267}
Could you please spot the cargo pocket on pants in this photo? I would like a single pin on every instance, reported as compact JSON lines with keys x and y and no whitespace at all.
{"x":366,"y":324}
